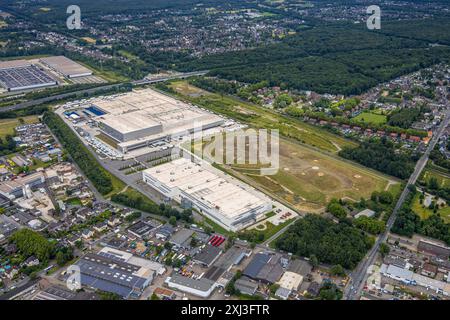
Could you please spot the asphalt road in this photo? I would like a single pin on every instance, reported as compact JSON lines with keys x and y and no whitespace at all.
{"x":359,"y":276}
{"x":57,"y":97}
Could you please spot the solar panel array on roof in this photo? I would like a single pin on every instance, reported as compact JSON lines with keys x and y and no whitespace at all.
{"x":26,"y":77}
{"x":110,"y":275}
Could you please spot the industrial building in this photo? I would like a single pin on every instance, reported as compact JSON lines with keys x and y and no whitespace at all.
{"x":207,"y":255}
{"x":265,"y":267}
{"x":66,"y":67}
{"x":19,"y":75}
{"x":199,"y":287}
{"x":117,"y":272}
{"x":289,"y":282}
{"x":434,"y":248}
{"x":141,"y":117}
{"x":229,"y":204}
{"x":13,"y":189}
{"x":246,"y":286}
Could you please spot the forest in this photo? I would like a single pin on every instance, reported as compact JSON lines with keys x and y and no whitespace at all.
{"x":405,"y":117}
{"x":332,"y":243}
{"x":381,"y":156}
{"x":334,"y":59}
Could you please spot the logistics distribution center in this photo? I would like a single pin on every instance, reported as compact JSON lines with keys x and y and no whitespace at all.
{"x":23,"y":75}
{"x":140,"y":117}
{"x":227,"y":203}
{"x":66,"y":67}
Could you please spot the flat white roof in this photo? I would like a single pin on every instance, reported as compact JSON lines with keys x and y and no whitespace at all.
{"x":127,"y":123}
{"x":290,"y":280}
{"x":217,"y":193}
{"x":66,"y":66}
{"x":141,"y":109}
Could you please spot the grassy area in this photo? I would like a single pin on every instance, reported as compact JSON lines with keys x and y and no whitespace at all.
{"x":424,"y":213}
{"x":108,"y":140}
{"x":308,"y":179}
{"x":130,"y":56}
{"x":89,"y":40}
{"x":7,"y":126}
{"x":395,"y":189}
{"x":118,"y":185}
{"x":259,"y":117}
{"x":443,"y":179}
{"x":216,"y":227}
{"x":368,"y":117}
{"x":105,"y":74}
{"x":263,"y":231}
{"x":271,"y":229}
{"x":270,"y":214}
{"x":186,"y":89}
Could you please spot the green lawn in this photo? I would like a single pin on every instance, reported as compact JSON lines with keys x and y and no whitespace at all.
{"x":368,"y":117}
{"x":7,"y":126}
{"x":216,"y":227}
{"x":74,"y":201}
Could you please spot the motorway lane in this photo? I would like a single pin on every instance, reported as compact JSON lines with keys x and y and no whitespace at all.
{"x":360,"y":275}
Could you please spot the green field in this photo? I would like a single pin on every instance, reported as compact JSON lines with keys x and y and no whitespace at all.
{"x":369,"y":117}
{"x":7,"y":126}
{"x":443,"y":179}
{"x":259,"y":117}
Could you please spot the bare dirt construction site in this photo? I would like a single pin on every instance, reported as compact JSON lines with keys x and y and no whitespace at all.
{"x":308,"y":179}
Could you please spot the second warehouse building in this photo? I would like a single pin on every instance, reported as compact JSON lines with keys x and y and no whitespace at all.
{"x":230,"y":205}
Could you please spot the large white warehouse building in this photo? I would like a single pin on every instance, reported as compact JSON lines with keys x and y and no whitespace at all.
{"x":140,"y":117}
{"x":224,"y":200}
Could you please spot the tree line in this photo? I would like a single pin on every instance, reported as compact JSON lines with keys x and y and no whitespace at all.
{"x":332,"y":243}
{"x":381,"y":156}
{"x":99,"y":177}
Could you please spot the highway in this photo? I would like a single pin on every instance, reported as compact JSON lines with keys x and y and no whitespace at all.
{"x":61,"y":96}
{"x":359,"y":275}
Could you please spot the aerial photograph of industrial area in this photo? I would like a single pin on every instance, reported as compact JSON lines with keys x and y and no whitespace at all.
{"x":232,"y":156}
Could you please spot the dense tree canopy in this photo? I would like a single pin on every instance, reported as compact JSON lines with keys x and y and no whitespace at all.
{"x":381,"y":156}
{"x":330,"y":242}
{"x":31,"y":243}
